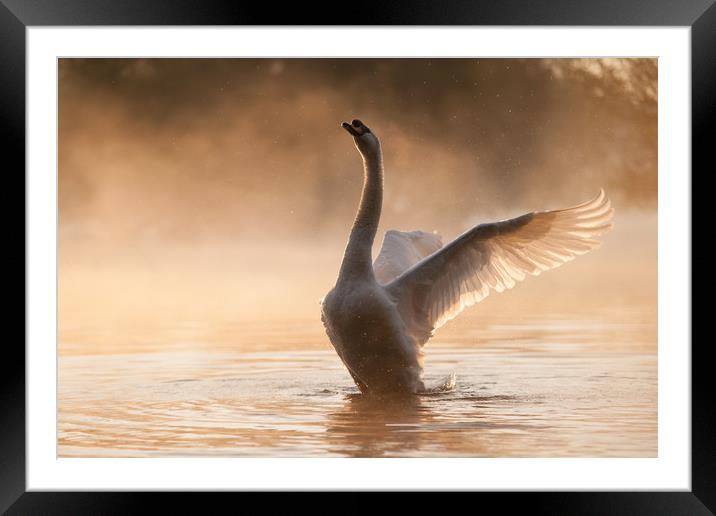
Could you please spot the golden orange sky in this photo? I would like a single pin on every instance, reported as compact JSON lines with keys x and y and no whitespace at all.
{"x":180,"y":148}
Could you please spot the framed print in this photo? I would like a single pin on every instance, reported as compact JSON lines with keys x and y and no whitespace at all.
{"x":311,"y":257}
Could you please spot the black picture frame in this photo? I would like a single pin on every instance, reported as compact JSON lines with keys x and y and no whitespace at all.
{"x":17,"y":15}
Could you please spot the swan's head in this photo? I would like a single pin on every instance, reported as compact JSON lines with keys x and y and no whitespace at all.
{"x":366,"y":142}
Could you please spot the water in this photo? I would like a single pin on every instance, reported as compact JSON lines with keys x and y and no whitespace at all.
{"x":552,"y":386}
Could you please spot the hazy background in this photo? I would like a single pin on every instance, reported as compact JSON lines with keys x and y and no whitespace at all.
{"x":219,"y":193}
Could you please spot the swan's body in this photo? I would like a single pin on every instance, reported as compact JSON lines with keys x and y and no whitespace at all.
{"x":379,"y":315}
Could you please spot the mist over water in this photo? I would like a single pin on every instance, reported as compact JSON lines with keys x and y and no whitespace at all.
{"x":204,"y":208}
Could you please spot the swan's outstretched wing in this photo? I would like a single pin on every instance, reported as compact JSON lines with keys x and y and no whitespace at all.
{"x":494,"y":257}
{"x":401,"y":250}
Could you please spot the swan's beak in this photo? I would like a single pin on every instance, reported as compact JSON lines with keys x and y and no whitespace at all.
{"x":355,"y":128}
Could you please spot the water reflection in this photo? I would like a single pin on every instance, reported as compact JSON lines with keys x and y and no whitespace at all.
{"x":552,"y":390}
{"x":370,"y":426}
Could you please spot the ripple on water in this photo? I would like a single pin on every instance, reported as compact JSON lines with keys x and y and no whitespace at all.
{"x":554,"y":395}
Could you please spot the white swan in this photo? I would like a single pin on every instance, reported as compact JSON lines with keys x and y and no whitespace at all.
{"x":379,"y":315}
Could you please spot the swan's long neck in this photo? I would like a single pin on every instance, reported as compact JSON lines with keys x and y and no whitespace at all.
{"x":358,"y":260}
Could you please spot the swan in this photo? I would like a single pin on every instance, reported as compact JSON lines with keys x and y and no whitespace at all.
{"x":380,"y":314}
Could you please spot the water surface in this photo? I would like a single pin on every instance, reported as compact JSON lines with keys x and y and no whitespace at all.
{"x":556,"y":386}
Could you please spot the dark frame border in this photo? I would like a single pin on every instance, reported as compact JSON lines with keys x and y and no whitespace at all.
{"x":16,"y":15}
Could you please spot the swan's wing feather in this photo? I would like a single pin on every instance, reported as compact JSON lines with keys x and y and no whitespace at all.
{"x":495,"y":256}
{"x":401,"y":250}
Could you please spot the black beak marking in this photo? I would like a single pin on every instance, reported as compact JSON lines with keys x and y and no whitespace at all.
{"x":350,"y":128}
{"x":355,"y":128}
